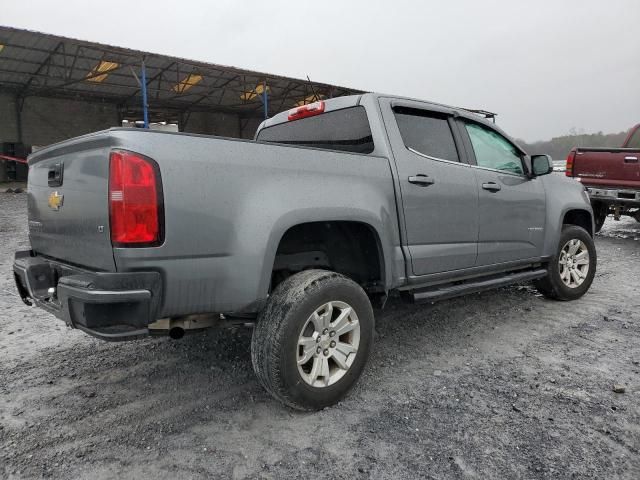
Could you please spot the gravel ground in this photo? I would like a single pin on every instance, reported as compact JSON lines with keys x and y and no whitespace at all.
{"x":503,"y":384}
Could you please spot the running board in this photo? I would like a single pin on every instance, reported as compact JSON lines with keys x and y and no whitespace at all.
{"x":451,"y":291}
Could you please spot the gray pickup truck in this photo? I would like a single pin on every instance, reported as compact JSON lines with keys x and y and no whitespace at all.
{"x":299,"y":233}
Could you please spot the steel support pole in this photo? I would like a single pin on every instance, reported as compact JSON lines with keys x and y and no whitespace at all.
{"x":265,"y":100}
{"x":19,"y":105}
{"x":143,"y":88}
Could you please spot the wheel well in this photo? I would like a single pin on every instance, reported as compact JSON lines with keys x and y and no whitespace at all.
{"x":350,"y":248}
{"x":580,"y":218}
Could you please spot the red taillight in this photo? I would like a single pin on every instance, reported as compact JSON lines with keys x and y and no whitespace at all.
{"x":315,"y":108}
{"x":135,"y":200}
{"x":569,"y":167}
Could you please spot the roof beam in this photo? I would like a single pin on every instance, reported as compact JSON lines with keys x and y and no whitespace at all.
{"x":151,"y":79}
{"x":213,"y":89}
{"x":47,"y":61}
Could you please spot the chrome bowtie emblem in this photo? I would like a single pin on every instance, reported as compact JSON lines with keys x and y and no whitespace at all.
{"x":55,"y":201}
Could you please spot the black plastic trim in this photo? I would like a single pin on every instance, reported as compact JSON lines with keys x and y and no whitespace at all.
{"x":110,"y":306}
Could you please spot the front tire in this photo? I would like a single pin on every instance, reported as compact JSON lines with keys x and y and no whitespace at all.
{"x":312,"y":339}
{"x":571,"y":270}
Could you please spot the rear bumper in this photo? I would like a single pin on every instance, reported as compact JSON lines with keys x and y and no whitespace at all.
{"x":110,"y":306}
{"x":614,"y":195}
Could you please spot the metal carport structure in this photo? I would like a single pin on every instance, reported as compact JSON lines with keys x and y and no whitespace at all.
{"x":41,"y":66}
{"x":38,"y":64}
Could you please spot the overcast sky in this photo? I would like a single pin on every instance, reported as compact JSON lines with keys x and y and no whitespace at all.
{"x":545,"y":66}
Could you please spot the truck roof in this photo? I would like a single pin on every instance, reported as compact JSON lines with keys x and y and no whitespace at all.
{"x":353,"y":100}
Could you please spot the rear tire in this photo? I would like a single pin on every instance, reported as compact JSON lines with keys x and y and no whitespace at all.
{"x":571,"y":270}
{"x":313,"y":338}
{"x":600,"y":212}
{"x":600,"y":216}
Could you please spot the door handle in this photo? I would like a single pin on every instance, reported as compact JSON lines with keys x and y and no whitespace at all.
{"x":630,"y":159}
{"x":491,"y":186}
{"x":54,"y":176}
{"x":421,"y":179}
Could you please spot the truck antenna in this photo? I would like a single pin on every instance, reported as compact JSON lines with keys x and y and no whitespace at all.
{"x":315,"y":95}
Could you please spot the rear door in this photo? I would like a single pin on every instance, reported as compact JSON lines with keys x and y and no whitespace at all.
{"x":438,"y":190}
{"x":511,"y":209}
{"x":68,"y":203}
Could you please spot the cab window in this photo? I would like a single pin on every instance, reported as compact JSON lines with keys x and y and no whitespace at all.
{"x":494,"y":151}
{"x":427,"y":133}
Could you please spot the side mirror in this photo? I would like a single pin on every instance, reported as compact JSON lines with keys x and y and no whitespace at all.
{"x":541,"y":164}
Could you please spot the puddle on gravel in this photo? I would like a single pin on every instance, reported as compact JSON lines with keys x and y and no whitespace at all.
{"x":626,"y":228}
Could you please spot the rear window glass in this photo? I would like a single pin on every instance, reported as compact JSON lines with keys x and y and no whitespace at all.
{"x":634,"y":141}
{"x":346,"y":130}
{"x":426,"y":133}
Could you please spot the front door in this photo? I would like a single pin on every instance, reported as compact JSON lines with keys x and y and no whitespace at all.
{"x":438,"y":189}
{"x":511,"y":205}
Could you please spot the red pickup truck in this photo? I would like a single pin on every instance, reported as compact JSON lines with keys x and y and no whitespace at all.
{"x":611,"y":176}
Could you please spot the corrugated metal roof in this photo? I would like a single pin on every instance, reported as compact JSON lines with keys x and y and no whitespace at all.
{"x":33,"y":63}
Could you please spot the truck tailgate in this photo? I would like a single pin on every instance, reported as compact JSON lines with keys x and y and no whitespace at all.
{"x":68,"y":202}
{"x":608,"y":167}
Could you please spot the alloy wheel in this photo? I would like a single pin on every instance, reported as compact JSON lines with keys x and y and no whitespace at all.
{"x":573,"y":263}
{"x":328,"y":344}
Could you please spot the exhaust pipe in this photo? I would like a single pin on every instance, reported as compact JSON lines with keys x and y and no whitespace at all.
{"x":176,"y":333}
{"x":176,"y":328}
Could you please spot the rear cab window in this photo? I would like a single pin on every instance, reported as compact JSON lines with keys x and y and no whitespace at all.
{"x":634,"y":141}
{"x":345,"y":130}
{"x":427,"y":133}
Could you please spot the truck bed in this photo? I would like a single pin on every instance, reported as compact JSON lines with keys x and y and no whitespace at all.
{"x":217,"y":193}
{"x":618,"y":167}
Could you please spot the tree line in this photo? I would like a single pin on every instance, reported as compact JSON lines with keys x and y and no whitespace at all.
{"x":559,"y":147}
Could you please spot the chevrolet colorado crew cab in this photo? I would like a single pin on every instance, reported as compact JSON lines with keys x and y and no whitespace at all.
{"x":611,"y":177}
{"x":331,"y":208}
